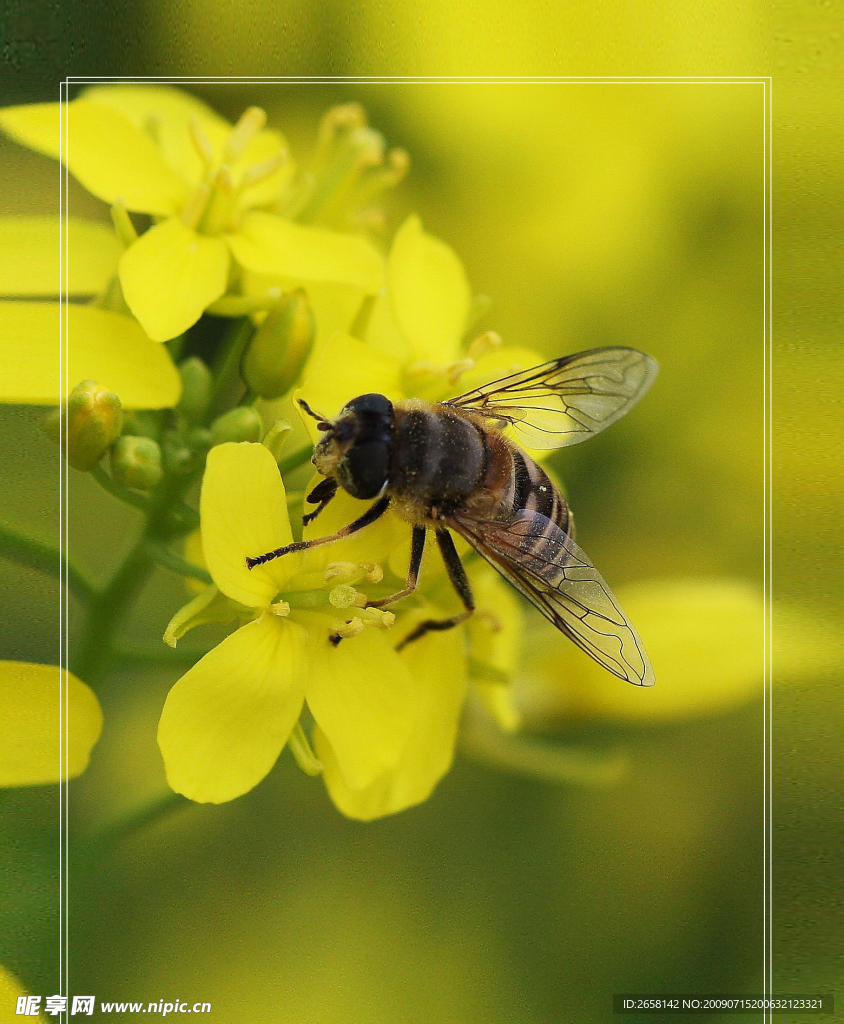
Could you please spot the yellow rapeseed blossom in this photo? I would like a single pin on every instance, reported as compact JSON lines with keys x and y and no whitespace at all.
{"x":412,"y":345}
{"x":208,"y":186}
{"x":705,"y":639}
{"x":227,"y":719}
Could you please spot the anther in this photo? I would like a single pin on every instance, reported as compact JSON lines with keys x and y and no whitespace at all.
{"x":484,"y":343}
{"x":281,"y":609}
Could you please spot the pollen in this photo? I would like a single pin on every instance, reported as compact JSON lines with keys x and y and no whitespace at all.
{"x":343,"y":596}
{"x":281,"y":609}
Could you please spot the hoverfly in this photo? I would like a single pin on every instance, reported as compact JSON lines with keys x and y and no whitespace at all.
{"x":450,"y":466}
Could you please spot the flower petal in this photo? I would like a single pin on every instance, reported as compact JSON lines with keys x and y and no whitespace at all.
{"x":704,"y":638}
{"x":30,"y":251}
{"x":244,"y":513}
{"x":32,"y":699}
{"x":362,"y":696}
{"x":429,"y":292}
{"x":267,"y":244}
{"x":227,"y":719}
{"x":168,"y":112}
{"x":437,"y":664}
{"x":106,"y":153}
{"x":170,"y":275}
{"x":102,"y":346}
{"x":343,"y":368}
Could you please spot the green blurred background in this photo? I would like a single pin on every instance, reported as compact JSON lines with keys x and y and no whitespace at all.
{"x":592,"y":214}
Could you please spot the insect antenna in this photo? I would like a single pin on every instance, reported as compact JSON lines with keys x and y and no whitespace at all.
{"x":322,"y":422}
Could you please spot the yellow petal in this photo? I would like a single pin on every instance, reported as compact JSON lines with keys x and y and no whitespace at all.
{"x":226,"y":720}
{"x":30,"y":250}
{"x":429,"y":293}
{"x":170,"y":275}
{"x":102,"y":346}
{"x":437,"y":665}
{"x":110,"y":156}
{"x":267,"y":244}
{"x":704,"y":638}
{"x":33,"y":699}
{"x":167,"y":112}
{"x":244,"y":514}
{"x":343,"y":368}
{"x":10,"y":990}
{"x":363,"y":699}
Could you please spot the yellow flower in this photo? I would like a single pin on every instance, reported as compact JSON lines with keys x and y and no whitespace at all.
{"x":413,"y":343}
{"x":34,"y":700}
{"x":162,"y":152}
{"x":482,"y":653}
{"x":227,"y":719}
{"x":100,"y":344}
{"x":705,"y":641}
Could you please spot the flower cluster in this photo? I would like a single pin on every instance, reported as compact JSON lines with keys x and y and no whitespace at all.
{"x":215,"y":223}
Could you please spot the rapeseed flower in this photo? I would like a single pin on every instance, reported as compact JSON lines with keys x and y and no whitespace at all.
{"x":227,"y":719}
{"x":412,"y":343}
{"x":209,"y":187}
{"x":385,"y":721}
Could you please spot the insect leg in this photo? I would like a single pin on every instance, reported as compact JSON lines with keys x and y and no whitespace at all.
{"x":460,"y":582}
{"x":372,"y":513}
{"x":320,"y":496}
{"x":416,"y":549}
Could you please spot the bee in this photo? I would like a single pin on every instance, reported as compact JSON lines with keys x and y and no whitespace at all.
{"x":455,"y":466}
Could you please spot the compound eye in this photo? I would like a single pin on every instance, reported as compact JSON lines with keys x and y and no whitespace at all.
{"x":365,"y":469}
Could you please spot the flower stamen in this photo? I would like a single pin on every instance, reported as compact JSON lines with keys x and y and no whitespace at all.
{"x":251,"y":122}
{"x":202,"y":143}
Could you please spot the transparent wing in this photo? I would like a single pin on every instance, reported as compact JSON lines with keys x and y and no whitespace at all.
{"x":567,"y":400}
{"x":552,"y":572}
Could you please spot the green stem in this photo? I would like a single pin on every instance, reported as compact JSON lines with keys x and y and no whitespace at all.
{"x":168,"y":559}
{"x":104,"y":613}
{"x":123,"y":494}
{"x":123,"y":828}
{"x":35,"y":554}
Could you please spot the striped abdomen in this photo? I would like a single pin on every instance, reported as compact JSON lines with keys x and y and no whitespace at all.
{"x":532,"y":489}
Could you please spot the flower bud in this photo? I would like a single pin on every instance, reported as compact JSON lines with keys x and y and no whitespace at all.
{"x":196,"y":389}
{"x":276,"y":436}
{"x":241,"y":424}
{"x":93,"y":421}
{"x":280,"y":347}
{"x":136,"y":462}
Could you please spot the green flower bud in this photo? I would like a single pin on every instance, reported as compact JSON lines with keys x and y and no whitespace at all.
{"x":52,"y":425}
{"x":276,"y":436}
{"x":93,"y":421}
{"x":280,"y":347}
{"x":241,"y":424}
{"x":198,"y":438}
{"x":136,"y":462}
{"x":196,"y":389}
{"x":143,"y":422}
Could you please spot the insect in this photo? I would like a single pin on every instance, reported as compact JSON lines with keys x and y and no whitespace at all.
{"x":450,"y":466}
